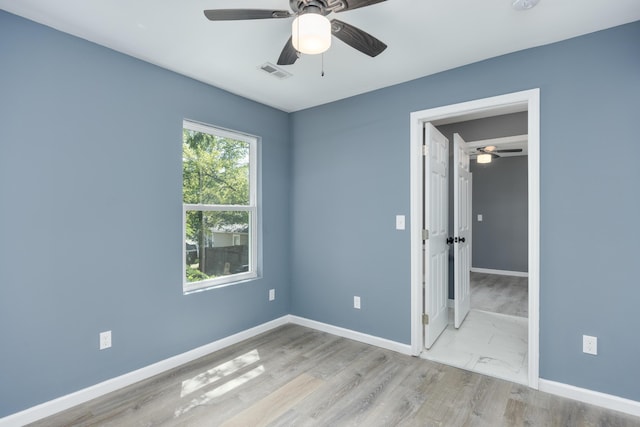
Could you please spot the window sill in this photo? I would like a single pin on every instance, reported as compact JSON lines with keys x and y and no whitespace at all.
{"x":206,"y":285}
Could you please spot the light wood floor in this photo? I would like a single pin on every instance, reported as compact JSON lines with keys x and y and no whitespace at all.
{"x":500,"y":294}
{"x":295,"y":376}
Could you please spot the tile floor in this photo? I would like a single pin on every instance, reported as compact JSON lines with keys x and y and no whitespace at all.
{"x":489,"y":343}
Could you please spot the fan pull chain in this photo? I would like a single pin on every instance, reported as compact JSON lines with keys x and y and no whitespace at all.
{"x":322,"y":71}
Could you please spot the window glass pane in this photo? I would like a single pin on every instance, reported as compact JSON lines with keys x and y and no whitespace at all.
{"x":217,"y":244}
{"x":215,"y":170}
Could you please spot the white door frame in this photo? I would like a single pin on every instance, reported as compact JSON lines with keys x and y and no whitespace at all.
{"x":487,"y":107}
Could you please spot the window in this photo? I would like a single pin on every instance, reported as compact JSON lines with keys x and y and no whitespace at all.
{"x":220,"y":206}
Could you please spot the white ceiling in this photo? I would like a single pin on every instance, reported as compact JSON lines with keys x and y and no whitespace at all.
{"x":424,"y":37}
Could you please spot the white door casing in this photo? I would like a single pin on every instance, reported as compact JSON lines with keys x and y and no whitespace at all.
{"x":462,"y":191}
{"x":527,"y":100}
{"x":436,"y":222}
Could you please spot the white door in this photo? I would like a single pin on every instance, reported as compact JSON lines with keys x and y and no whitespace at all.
{"x":436,"y":222}
{"x":461,"y":230}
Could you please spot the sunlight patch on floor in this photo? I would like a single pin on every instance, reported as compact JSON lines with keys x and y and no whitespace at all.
{"x":214,"y":374}
{"x":219,"y":391}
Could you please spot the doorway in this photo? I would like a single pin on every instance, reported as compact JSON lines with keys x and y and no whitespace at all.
{"x":487,"y":323}
{"x":423,"y":284}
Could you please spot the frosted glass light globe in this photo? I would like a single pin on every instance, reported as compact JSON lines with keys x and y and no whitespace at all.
{"x":311,"y":33}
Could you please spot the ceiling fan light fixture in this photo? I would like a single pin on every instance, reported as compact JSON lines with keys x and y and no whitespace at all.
{"x":483,"y":158}
{"x":311,"y":33}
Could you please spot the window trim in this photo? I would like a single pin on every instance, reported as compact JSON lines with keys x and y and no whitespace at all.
{"x":252,"y":208}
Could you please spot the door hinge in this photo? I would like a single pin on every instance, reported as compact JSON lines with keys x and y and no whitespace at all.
{"x":425,"y":319}
{"x":425,"y":234}
{"x":425,"y":150}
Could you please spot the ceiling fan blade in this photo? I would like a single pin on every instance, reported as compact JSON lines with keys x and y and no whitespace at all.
{"x":355,"y":4}
{"x":289,"y":55}
{"x":357,"y":39}
{"x":510,"y":150}
{"x":483,"y":150}
{"x":240,"y":14}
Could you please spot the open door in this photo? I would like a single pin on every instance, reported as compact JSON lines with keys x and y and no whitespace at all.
{"x":462,"y":191}
{"x":435,"y":226}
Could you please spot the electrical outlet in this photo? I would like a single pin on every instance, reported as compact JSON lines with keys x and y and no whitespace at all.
{"x":399,"y":222}
{"x":105,"y":340}
{"x":590,"y":345}
{"x":272,"y":294}
{"x":356,"y":302}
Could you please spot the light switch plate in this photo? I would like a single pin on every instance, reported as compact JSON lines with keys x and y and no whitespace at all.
{"x":272,"y":294}
{"x":356,"y":302}
{"x":399,"y":222}
{"x":479,"y":217}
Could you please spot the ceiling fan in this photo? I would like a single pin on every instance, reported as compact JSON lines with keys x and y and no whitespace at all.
{"x":486,"y":154}
{"x":306,"y":37}
{"x":492,"y":151}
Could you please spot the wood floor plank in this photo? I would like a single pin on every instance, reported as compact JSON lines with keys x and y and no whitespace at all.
{"x":340,"y":356}
{"x":277,"y":403}
{"x":371,"y":393}
{"x":514,"y":412}
{"x":450,"y":395}
{"x":405,"y":396}
{"x":338,"y":390}
{"x":500,"y":294}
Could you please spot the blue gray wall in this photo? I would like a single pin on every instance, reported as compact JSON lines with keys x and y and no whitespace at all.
{"x":500,"y":240}
{"x":351,"y":177}
{"x":90,"y":221}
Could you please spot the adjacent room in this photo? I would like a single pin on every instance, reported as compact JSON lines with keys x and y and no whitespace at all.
{"x":492,"y":339}
{"x":219,"y":213}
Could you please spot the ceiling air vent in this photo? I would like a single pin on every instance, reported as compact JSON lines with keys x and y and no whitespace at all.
{"x":274,"y":70}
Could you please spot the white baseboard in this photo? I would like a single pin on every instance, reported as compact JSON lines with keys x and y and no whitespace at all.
{"x":352,"y":335}
{"x":604,"y":400}
{"x":500,"y":272}
{"x":81,"y":396}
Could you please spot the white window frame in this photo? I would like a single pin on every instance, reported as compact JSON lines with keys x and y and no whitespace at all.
{"x":252,"y":208}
